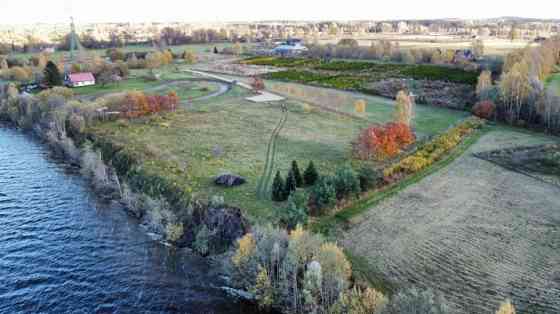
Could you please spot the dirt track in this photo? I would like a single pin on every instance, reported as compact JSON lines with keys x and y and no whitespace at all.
{"x":473,"y":231}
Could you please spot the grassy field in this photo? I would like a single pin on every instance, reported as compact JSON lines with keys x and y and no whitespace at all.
{"x":554,"y":82}
{"x":185,"y":144}
{"x":197,"y":48}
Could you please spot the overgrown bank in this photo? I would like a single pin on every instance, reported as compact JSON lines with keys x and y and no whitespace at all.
{"x":118,"y":173}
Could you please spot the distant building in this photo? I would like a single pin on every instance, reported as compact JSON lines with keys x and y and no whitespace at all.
{"x":292,"y":47}
{"x":79,"y":79}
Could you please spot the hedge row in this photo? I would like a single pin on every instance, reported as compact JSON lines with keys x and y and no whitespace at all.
{"x":433,"y":151}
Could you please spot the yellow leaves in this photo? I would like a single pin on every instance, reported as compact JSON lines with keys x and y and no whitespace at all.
{"x":358,"y":301}
{"x":404,"y":108}
{"x":174,"y":231}
{"x":263,"y":288}
{"x":360,"y":106}
{"x":333,"y":261}
{"x":246,"y":248}
{"x":506,"y":308}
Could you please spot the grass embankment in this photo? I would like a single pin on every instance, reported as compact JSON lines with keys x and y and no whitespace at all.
{"x":230,"y":134}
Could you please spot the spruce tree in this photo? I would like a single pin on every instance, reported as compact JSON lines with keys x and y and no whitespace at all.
{"x":297,"y":174}
{"x":290,"y":184}
{"x":52,"y":75}
{"x":310,"y":176}
{"x":216,"y":50}
{"x":278,"y":194}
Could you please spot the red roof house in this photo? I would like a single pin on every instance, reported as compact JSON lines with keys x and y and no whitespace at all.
{"x":80,"y":79}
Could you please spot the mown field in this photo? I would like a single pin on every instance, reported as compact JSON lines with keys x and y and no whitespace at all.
{"x":230,"y":134}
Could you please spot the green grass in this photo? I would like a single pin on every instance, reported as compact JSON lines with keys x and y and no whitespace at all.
{"x":185,"y":140}
{"x":554,"y":82}
{"x":327,"y":225}
{"x":130,"y":84}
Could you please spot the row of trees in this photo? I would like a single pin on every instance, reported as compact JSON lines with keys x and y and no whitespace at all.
{"x":521,"y":96}
{"x":389,"y":51}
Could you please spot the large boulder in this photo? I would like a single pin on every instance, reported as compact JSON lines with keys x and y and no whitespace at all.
{"x":229,"y":180}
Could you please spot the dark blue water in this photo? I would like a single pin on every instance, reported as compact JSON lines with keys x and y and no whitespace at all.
{"x":62,"y":251}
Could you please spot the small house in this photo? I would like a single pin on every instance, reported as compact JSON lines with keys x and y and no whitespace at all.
{"x":293,"y":47}
{"x":79,"y":79}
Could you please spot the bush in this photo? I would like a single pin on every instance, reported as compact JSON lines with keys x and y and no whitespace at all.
{"x":369,"y":178}
{"x":346,"y":183}
{"x":433,"y":150}
{"x":382,"y":142}
{"x":296,"y":213}
{"x":323,"y":195}
{"x":416,"y":301}
{"x":484,"y":109}
{"x":310,"y":176}
{"x":278,"y":188}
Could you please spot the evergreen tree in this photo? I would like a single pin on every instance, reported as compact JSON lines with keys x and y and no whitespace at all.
{"x":297,"y":174}
{"x":278,"y":194}
{"x":290,"y":184}
{"x":52,"y":75}
{"x":310,"y":175}
{"x":216,"y":50}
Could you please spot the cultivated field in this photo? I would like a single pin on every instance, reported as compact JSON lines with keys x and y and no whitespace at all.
{"x":474,"y":231}
{"x":493,"y":47}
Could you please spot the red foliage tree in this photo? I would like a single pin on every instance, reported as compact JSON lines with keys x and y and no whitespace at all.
{"x":484,"y":109}
{"x":382,"y":142}
{"x":257,"y":83}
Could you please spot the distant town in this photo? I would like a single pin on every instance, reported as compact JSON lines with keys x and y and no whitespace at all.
{"x":36,"y":37}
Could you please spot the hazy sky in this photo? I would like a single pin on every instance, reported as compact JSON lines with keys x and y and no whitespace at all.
{"x":28,"y":11}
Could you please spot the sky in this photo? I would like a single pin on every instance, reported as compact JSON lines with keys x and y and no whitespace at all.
{"x":53,"y":11}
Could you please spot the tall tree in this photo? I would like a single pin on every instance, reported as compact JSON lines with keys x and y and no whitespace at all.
{"x":278,"y":193}
{"x":310,"y":176}
{"x":404,"y":108}
{"x":483,"y":85}
{"x":291,"y":184}
{"x":52,"y":75}
{"x":297,"y":174}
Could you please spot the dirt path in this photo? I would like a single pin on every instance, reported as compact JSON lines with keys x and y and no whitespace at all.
{"x":474,"y":231}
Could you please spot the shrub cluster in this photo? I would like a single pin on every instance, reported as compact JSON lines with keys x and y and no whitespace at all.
{"x":329,"y":190}
{"x":433,"y":150}
{"x":282,"y":189}
{"x":484,"y":109}
{"x":136,"y":104}
{"x":382,"y":142}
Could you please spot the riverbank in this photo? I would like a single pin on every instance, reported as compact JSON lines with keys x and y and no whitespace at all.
{"x":62,"y":250}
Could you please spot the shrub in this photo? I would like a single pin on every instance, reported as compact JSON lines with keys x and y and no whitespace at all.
{"x":323,"y":195}
{"x":484,"y":109}
{"x":506,"y":308}
{"x":278,"y":186}
{"x":382,"y":142}
{"x":174,"y":231}
{"x":202,"y":241}
{"x":296,"y":213}
{"x":368,"y":178}
{"x":346,"y":183}
{"x":361,"y":301}
{"x":310,"y":176}
{"x":404,"y":108}
{"x":297,"y":174}
{"x":416,"y":301}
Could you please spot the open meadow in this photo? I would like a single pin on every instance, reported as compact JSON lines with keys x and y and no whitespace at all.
{"x":227,"y":133}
